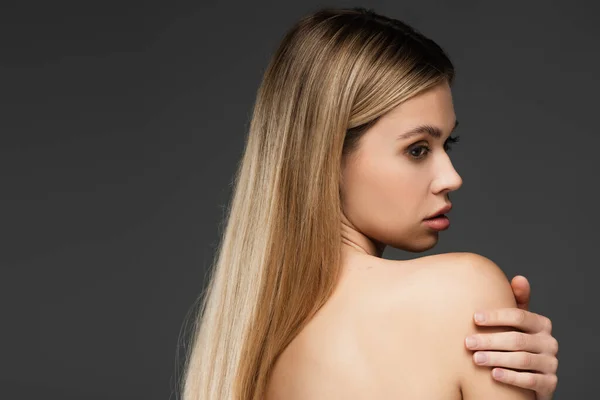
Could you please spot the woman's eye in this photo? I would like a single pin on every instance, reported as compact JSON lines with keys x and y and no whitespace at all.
{"x":418,"y":154}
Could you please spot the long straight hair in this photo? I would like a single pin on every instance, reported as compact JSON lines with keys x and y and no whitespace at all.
{"x":334,"y":74}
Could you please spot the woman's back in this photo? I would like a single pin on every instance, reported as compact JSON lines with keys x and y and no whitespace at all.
{"x":392,"y":329}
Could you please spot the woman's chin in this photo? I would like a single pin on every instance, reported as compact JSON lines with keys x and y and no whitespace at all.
{"x":418,"y":245}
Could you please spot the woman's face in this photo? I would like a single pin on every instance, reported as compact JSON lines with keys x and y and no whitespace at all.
{"x":390,"y":183}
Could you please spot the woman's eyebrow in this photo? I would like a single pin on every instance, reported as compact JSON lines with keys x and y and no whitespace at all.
{"x":431,"y":130}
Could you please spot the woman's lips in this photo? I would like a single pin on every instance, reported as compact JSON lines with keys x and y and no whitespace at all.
{"x":439,"y":223}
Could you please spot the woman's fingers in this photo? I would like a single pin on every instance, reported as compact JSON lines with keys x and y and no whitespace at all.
{"x":517,"y":360}
{"x":522,"y":319}
{"x":512,"y":341}
{"x":527,"y":358}
{"x":543,"y":384}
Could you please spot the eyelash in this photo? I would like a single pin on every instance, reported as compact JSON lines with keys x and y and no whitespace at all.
{"x":447,"y":147}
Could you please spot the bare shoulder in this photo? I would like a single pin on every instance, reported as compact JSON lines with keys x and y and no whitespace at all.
{"x":462,"y":272}
{"x":453,"y":286}
{"x":431,"y":276}
{"x":396,"y":329}
{"x":458,"y":285}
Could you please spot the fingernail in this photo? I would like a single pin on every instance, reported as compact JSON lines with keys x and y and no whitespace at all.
{"x":479,"y":317}
{"x":498,"y":373}
{"x":480,"y":358}
{"x":471,"y":342}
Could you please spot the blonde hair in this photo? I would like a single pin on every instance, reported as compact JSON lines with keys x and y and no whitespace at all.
{"x":333,"y":75}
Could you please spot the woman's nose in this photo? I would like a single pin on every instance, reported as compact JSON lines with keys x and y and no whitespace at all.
{"x":448,"y":179}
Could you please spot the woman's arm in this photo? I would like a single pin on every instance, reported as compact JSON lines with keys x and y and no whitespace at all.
{"x":485,"y":286}
{"x":536,"y":351}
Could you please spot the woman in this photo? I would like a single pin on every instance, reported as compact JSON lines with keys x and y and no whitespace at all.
{"x":347,"y":153}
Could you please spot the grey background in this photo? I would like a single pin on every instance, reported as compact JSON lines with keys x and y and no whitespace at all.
{"x":121,"y":126}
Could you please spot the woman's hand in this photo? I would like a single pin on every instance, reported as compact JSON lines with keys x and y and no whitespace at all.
{"x":534,"y":349}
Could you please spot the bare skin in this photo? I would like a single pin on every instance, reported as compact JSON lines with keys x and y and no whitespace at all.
{"x":537,"y":351}
{"x":341,"y":353}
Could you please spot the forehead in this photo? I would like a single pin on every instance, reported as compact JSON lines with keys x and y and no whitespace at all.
{"x":433,"y":106}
